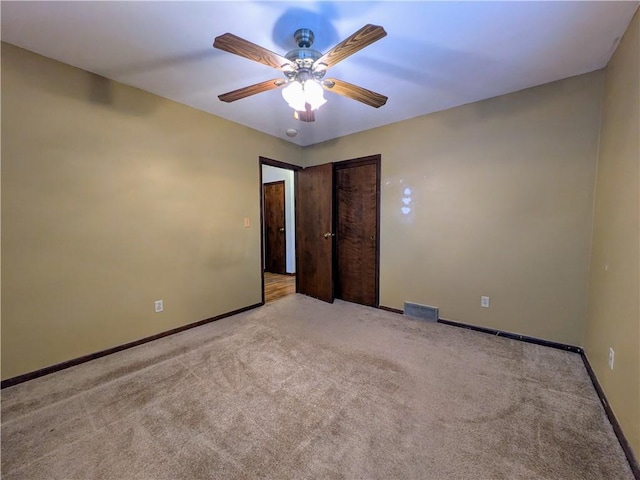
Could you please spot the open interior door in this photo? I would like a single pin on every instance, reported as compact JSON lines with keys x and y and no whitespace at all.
{"x":314,"y":232}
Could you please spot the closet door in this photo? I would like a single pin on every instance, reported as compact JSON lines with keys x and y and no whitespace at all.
{"x":357,"y":188}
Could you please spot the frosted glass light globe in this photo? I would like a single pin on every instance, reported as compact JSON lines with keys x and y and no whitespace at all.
{"x":294,"y":95}
{"x":314,"y":94}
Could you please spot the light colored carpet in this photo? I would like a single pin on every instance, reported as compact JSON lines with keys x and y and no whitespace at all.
{"x":303,"y":389}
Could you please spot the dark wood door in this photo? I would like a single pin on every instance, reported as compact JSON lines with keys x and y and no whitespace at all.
{"x":357,"y":202}
{"x":275,"y":247}
{"x":314,"y":232}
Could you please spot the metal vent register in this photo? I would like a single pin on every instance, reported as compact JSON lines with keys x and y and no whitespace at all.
{"x":424,"y":312}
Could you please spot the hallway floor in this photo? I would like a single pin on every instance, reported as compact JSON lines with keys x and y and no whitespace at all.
{"x":277,"y":286}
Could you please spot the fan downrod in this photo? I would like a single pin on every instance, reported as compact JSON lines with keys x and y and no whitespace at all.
{"x":304,"y":37}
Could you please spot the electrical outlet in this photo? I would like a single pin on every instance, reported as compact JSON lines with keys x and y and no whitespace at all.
{"x":158,"y":306}
{"x":611,"y":357}
{"x":484,"y":302}
{"x":247,"y":222}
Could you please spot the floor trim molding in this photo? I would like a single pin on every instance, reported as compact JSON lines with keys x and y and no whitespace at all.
{"x":390,"y":309}
{"x":498,"y":333}
{"x":513,"y":336}
{"x":628,"y":451}
{"x":9,"y":382}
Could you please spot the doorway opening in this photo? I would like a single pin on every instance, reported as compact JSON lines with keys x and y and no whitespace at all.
{"x":277,"y":198}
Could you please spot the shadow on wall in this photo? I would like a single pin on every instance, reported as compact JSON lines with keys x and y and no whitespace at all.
{"x":84,"y":87}
{"x":103,"y":91}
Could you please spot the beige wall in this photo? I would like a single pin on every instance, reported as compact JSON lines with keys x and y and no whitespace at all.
{"x":113,"y":198}
{"x":613,"y":318}
{"x":501,"y":205}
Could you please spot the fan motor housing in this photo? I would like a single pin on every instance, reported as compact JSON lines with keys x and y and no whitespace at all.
{"x":304,"y":56}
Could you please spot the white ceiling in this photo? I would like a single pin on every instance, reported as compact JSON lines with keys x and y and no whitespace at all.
{"x":437,"y":55}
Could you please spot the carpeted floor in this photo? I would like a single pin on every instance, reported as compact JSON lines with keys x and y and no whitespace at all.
{"x":303,"y":389}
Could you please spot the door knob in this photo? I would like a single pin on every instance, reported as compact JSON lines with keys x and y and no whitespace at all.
{"x":373,"y":237}
{"x":328,"y":234}
{"x":281,"y":229}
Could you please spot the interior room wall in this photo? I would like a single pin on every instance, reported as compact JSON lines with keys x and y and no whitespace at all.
{"x":492,"y":198}
{"x":113,"y":198}
{"x":274,"y":174}
{"x":613,"y":319}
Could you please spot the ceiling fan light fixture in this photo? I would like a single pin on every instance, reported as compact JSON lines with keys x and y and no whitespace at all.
{"x":304,"y":69}
{"x":314,"y":94}
{"x":298,"y":94}
{"x":294,"y":95}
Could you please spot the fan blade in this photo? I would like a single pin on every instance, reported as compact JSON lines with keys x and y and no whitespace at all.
{"x":354,"y":92}
{"x":244,"y":48}
{"x":251,"y":90}
{"x":350,"y":45}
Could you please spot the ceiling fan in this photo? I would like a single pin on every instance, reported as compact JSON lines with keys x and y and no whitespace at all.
{"x":304,"y":69}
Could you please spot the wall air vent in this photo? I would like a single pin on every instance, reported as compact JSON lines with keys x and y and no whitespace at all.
{"x":424,"y":312}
